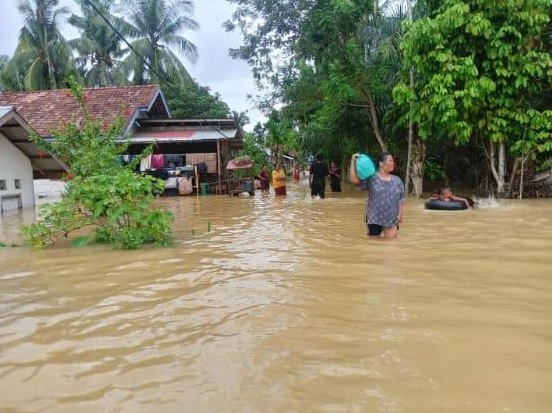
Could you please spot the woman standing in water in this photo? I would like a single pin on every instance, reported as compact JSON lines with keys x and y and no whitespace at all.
{"x":385,"y":207}
{"x":264,"y":177}
{"x":279,"y":179}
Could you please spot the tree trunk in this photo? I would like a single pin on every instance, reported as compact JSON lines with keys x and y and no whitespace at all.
{"x":501,"y":168}
{"x":417,"y":172}
{"x":410,"y":174}
{"x":370,"y":105}
{"x":498,"y":171}
{"x":374,"y":122}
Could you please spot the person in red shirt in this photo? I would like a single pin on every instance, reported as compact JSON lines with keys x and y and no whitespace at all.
{"x":264,"y":177}
{"x":296,"y":173}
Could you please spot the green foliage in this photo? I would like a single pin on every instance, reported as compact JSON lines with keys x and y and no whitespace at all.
{"x":433,"y":171}
{"x":155,"y":26}
{"x":3,"y":62}
{"x":99,"y":47}
{"x":479,"y":66}
{"x":545,"y":165}
{"x":280,"y":136}
{"x":254,"y":150}
{"x":337,"y":62}
{"x":188,"y":100}
{"x":42,"y":58}
{"x":101,"y":195}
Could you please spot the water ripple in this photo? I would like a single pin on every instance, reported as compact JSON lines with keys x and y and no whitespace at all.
{"x":270,"y":304}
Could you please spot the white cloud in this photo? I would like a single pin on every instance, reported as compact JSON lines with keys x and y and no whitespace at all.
{"x":230,"y":78}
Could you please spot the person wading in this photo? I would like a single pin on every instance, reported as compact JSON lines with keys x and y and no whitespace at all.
{"x":385,"y":205}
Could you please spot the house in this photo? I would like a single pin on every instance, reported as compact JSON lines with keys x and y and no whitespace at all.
{"x":21,"y":160}
{"x":146,"y":118}
{"x":47,"y":110}
{"x":288,"y":162}
{"x":191,"y":142}
{"x":23,"y":114}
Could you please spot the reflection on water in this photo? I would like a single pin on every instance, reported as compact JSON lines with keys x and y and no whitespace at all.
{"x":279,"y":305}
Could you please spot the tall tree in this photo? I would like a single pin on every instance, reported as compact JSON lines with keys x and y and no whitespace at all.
{"x":332,"y":63}
{"x":241,"y":118}
{"x":156,"y":26}
{"x":479,"y":66}
{"x":188,"y":100}
{"x":42,"y":55}
{"x":279,"y":136}
{"x":4,"y":59}
{"x":99,"y":47}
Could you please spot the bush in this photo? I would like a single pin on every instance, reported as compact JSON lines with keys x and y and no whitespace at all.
{"x":101,"y":194}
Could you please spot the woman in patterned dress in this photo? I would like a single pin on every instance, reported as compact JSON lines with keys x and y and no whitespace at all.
{"x":385,"y":207}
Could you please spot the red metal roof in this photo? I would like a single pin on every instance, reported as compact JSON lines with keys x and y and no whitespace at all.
{"x":46,"y":110}
{"x":190,"y":135}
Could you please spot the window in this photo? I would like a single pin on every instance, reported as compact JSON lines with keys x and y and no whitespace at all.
{"x":17,"y":183}
{"x":3,"y":185}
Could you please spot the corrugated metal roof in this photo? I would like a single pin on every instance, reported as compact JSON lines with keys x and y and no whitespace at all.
{"x":17,"y":130}
{"x":4,"y":110}
{"x":184,"y":136}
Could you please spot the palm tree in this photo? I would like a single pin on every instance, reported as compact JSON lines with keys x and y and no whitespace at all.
{"x":155,"y":25}
{"x":99,"y":47}
{"x":279,"y":135}
{"x":240,"y":118}
{"x":42,"y":54}
{"x":4,"y":59}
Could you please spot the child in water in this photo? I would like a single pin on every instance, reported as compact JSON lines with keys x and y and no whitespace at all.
{"x":445,"y":194}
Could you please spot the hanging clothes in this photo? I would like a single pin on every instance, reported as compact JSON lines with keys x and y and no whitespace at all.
{"x":185,"y":185}
{"x":158,"y":161}
{"x":145,"y":163}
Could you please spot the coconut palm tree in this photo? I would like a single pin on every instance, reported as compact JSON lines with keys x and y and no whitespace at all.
{"x":155,"y":25}
{"x":240,"y":118}
{"x":99,"y":47}
{"x":42,"y":55}
{"x":4,"y":59}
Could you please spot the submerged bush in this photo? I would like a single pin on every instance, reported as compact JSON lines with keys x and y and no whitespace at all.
{"x":102,"y":195}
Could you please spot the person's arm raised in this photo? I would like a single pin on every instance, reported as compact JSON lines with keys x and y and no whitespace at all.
{"x":352,"y":170}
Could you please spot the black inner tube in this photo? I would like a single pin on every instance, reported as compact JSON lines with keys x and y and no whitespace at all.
{"x":438,"y":204}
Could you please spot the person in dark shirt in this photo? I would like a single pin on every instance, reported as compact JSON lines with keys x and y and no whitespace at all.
{"x":317,"y":177}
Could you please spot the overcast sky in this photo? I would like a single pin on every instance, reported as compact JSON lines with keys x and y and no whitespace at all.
{"x":230,"y":78}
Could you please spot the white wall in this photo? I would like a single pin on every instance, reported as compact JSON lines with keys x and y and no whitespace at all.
{"x":15,"y":165}
{"x":47,"y":188}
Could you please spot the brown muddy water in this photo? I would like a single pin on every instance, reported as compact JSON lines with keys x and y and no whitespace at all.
{"x":285,"y":306}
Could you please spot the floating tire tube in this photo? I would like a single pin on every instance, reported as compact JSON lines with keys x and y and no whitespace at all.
{"x":437,"y":204}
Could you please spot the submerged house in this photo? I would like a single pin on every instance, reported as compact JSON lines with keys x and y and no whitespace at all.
{"x":21,"y":161}
{"x":146,"y":118}
{"x":187,"y":142}
{"x":43,"y":112}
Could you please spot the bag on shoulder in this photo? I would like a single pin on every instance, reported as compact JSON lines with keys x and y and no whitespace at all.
{"x":365,"y":168}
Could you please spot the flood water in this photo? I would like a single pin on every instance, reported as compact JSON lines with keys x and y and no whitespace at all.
{"x":277,"y":305}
